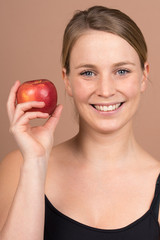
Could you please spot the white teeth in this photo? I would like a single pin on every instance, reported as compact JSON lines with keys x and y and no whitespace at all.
{"x":107,"y":108}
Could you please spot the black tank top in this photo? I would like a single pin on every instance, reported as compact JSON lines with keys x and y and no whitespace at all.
{"x":61,"y":227}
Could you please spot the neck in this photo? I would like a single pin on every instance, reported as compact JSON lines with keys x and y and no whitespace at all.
{"x":106,"y":149}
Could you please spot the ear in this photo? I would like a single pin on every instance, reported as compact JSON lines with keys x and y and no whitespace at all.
{"x":67,"y":83}
{"x":145,"y":77}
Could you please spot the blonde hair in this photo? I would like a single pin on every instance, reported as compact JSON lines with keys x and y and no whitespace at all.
{"x":102,"y":19}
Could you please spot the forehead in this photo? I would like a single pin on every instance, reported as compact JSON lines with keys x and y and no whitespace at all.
{"x":98,"y":46}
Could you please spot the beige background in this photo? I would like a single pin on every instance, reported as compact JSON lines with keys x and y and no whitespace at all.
{"x":30,"y":47}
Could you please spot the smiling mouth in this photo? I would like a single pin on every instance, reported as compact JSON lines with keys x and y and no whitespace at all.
{"x":107,"y":108}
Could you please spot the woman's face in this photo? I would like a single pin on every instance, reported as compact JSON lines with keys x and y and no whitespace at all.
{"x":105,"y":80}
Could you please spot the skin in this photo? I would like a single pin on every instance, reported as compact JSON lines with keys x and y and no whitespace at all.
{"x":115,"y":76}
{"x":105,"y":147}
{"x":102,"y":169}
{"x":28,"y":171}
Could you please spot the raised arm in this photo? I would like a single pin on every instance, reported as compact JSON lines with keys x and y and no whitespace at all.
{"x":25,"y":218}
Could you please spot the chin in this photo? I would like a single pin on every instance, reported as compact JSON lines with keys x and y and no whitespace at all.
{"x":110,"y":128}
{"x":107,"y":130}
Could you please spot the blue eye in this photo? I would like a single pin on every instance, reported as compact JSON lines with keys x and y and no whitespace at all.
{"x":87,"y":73}
{"x":122,"y":72}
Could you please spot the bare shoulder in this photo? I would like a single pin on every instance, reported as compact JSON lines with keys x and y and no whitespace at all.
{"x":64,"y":149}
{"x":156,"y":166}
{"x":153,"y":167}
{"x":10,"y":166}
{"x":156,"y":163}
{"x":148,"y":162}
{"x":61,"y":160}
{"x":9,"y":177}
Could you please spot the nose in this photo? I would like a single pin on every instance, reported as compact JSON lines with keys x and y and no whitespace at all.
{"x":105,"y":86}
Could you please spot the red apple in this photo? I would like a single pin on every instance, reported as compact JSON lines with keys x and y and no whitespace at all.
{"x":41,"y":90}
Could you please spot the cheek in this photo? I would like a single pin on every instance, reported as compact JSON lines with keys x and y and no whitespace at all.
{"x":82,"y":91}
{"x":131,"y":87}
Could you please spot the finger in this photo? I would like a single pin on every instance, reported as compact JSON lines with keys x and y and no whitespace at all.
{"x":11,"y":102}
{"x":32,"y":115}
{"x":53,"y":120}
{"x":23,"y":107}
{"x":22,"y":123}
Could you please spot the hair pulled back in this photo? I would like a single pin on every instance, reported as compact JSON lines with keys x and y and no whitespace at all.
{"x":102,"y":19}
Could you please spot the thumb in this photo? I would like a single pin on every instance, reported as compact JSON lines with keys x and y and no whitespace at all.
{"x":54,"y":118}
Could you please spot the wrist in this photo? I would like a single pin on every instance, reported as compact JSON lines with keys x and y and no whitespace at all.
{"x":35,"y":167}
{"x":35,"y":160}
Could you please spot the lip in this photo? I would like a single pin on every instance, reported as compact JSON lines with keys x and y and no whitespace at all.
{"x":107,"y":113}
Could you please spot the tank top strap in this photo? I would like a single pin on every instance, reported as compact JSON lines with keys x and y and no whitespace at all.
{"x":156,"y":200}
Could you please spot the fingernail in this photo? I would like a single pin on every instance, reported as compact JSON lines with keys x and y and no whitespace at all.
{"x":17,"y":81}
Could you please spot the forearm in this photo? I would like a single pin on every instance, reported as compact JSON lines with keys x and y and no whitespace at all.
{"x":25,"y":220}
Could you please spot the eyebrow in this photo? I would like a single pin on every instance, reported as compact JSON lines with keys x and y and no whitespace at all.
{"x":114,"y":65}
{"x":85,"y":66}
{"x":123,"y":63}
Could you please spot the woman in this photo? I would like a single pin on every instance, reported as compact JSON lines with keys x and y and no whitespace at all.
{"x":100,"y":184}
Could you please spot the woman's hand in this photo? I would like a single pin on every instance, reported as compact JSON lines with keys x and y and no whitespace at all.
{"x":33,"y":141}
